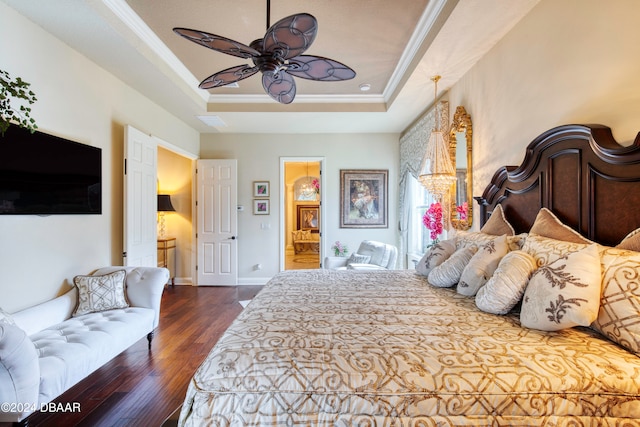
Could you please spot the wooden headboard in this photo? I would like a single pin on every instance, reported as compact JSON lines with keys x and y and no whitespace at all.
{"x":579,"y":172}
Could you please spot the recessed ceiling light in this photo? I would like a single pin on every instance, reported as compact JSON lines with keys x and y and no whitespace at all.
{"x":365,"y":87}
{"x":213,"y":121}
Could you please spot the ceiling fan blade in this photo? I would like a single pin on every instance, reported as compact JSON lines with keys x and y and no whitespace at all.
{"x":228,"y":76}
{"x":319,"y":68}
{"x":291,"y":36}
{"x":218,"y":43}
{"x":280,"y":86}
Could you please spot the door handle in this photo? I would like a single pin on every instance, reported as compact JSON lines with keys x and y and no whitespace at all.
{"x":233,"y":237}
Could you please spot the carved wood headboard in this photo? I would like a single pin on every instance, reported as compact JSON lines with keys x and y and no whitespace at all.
{"x":579,"y":172}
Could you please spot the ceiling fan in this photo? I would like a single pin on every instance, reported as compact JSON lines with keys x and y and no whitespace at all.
{"x":278,"y":56}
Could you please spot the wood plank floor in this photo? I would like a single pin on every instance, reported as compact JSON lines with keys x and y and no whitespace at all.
{"x":141,"y":387}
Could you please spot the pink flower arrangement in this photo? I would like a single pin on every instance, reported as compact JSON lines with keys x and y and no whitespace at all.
{"x":463,"y":211}
{"x":316,"y":185}
{"x":432,"y":219}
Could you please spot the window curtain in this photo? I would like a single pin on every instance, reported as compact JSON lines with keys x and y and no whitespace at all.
{"x":413,"y":145}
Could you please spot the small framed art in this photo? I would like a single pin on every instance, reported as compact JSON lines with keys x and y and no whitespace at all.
{"x":260,"y":188}
{"x":261,"y":207}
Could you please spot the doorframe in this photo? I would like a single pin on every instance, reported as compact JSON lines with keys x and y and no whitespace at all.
{"x":283,"y":207}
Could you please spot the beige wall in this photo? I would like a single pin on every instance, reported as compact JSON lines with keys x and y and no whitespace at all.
{"x":259,"y":160}
{"x":567,"y":61}
{"x":175,"y":174}
{"x":40,"y":255}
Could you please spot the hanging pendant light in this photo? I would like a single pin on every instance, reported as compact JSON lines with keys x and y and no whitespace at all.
{"x":437,"y":172}
{"x":307,"y":188}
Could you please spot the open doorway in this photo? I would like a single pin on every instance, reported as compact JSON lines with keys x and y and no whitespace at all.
{"x":301,"y":213}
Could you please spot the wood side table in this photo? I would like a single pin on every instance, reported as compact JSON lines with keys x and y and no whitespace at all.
{"x":167,"y":256}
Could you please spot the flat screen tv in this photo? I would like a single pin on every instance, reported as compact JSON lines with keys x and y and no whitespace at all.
{"x":42,"y":174}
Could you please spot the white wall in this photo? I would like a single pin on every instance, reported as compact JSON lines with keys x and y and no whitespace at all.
{"x":567,"y":61}
{"x":259,"y":160}
{"x":39,"y":256}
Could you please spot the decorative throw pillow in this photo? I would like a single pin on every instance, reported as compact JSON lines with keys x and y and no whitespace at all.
{"x":548,"y":225}
{"x":100,"y":293}
{"x":564,"y":293}
{"x":355,"y":258}
{"x":448,"y":273}
{"x":435,"y":256}
{"x":631,"y":241}
{"x":482,"y":266}
{"x":546,"y":250}
{"x":472,"y":238}
{"x":497,"y":224}
{"x":505,"y":288}
{"x":619,"y":315}
{"x":6,"y":317}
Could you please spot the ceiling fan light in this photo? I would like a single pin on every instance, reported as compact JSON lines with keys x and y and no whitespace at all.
{"x":364,"y":87}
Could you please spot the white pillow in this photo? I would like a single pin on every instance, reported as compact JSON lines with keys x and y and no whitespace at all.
{"x":564,"y":293}
{"x":448,"y":273}
{"x":482,"y":265}
{"x":546,"y":250}
{"x":435,"y":256}
{"x":355,"y":258}
{"x":100,"y":293}
{"x":505,"y":288}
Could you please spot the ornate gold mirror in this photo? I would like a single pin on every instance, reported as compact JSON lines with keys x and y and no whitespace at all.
{"x":460,"y":151}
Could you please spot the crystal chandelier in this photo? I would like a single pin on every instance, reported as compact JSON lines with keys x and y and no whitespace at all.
{"x":437,"y":172}
{"x":307,"y":189}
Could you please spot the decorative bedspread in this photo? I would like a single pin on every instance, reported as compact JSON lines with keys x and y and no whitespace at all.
{"x":346,"y":348}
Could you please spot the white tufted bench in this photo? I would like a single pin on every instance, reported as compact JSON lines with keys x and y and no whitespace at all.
{"x":48,"y":351}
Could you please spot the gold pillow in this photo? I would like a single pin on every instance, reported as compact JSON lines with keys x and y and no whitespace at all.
{"x":497,"y":224}
{"x":100,"y":293}
{"x":564,"y":293}
{"x":548,"y":225}
{"x":619,"y":315}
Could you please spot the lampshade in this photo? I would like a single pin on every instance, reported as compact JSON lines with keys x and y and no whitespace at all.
{"x":437,"y":174}
{"x":164,"y":203}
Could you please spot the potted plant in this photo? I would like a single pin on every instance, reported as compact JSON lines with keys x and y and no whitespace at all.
{"x":11,"y":90}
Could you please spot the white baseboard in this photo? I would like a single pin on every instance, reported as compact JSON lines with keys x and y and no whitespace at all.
{"x":243,"y":281}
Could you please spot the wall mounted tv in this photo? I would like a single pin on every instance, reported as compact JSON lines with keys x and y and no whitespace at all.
{"x":42,"y":174}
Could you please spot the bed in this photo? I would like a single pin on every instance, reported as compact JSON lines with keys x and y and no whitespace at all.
{"x":388,"y":348}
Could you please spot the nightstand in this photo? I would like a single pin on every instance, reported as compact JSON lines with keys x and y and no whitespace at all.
{"x":167,"y":256}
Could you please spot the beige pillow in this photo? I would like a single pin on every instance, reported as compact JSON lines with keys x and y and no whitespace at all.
{"x":435,"y":256}
{"x":631,"y":241}
{"x":448,"y":273}
{"x":546,"y":250}
{"x":482,"y":265}
{"x":619,"y":315}
{"x":548,"y":225}
{"x":564,"y":293}
{"x":505,"y":288}
{"x":497,"y":224}
{"x":100,"y":293}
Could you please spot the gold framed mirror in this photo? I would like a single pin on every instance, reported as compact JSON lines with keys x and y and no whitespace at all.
{"x":460,"y":150}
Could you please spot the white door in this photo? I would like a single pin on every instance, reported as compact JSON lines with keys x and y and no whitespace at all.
{"x":217,"y":222}
{"x":140,"y":199}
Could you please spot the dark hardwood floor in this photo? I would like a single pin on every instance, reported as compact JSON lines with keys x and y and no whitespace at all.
{"x":141,"y":387}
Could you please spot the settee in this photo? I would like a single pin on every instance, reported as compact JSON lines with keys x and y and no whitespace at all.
{"x":371,"y":255}
{"x":305,"y":241}
{"x":48,"y":348}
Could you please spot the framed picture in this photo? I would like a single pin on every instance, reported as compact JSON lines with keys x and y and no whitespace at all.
{"x":260,"y":188}
{"x":363,"y":198}
{"x":308,"y":217}
{"x":261,"y":207}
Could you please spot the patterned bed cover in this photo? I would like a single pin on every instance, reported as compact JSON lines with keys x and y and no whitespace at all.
{"x":384,"y":348}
